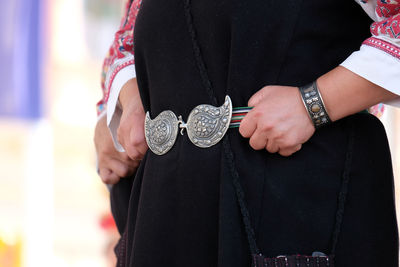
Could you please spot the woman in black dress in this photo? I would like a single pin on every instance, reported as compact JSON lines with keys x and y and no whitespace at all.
{"x":181,"y":209}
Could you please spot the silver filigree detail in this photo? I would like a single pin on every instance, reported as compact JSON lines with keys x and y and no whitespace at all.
{"x":207,"y":124}
{"x":161,"y":132}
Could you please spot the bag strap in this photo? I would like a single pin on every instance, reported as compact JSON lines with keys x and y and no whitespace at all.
{"x":241,"y":198}
{"x":226,"y":145}
{"x":198,"y":56}
{"x":344,"y":186}
{"x":231,"y":160}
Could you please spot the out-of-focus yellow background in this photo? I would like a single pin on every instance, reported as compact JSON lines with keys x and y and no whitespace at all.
{"x":53,"y":207}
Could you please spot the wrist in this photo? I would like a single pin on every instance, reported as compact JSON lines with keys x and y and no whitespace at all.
{"x":314,"y":105}
{"x":327,"y":87}
{"x":129,"y":94}
{"x":346,"y":93}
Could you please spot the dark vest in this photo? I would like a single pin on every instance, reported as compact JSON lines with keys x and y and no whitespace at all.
{"x":248,"y":44}
{"x":245,"y":44}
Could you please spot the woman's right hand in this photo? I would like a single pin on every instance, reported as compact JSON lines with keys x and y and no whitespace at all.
{"x":130,"y":132}
{"x":112,"y":165}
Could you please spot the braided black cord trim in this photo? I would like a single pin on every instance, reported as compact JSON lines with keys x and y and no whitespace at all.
{"x":227,"y":148}
{"x":344,"y":187}
{"x":240,"y":197}
{"x":121,"y":250}
{"x":197,"y":53}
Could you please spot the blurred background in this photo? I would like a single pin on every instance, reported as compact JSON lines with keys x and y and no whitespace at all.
{"x":54,"y":211}
{"x":53,"y":208}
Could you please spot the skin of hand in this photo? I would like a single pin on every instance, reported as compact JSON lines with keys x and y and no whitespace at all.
{"x":131,"y":128}
{"x":112,"y":165}
{"x":280,"y":123}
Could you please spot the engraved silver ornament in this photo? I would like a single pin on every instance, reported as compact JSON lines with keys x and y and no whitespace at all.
{"x":206,"y":126}
{"x":161,"y":132}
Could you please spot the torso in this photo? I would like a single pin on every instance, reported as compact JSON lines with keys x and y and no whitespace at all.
{"x":183,"y":210}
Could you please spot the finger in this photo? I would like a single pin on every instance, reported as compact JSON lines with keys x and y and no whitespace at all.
{"x":138,"y":141}
{"x":289,"y":151}
{"x":258,"y":140}
{"x":123,"y":156}
{"x":108,"y":177}
{"x":133,"y":164}
{"x":143,"y":148}
{"x":119,"y":168}
{"x":298,"y":147}
{"x":133,"y":153}
{"x":248,"y":125}
{"x":272,"y":146}
{"x":257,"y":97}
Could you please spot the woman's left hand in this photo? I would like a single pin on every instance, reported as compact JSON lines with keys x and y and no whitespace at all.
{"x":278,"y":121}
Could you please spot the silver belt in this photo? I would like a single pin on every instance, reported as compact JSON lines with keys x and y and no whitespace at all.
{"x":206,"y":126}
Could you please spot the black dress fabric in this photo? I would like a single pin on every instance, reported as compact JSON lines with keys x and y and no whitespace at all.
{"x":180,"y":209}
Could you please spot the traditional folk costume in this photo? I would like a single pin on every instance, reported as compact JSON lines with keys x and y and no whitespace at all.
{"x":180,"y":208}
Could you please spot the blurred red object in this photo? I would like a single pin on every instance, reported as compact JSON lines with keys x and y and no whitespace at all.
{"x":107,"y":222}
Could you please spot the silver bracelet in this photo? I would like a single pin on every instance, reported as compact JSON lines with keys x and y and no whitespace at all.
{"x":314,"y":105}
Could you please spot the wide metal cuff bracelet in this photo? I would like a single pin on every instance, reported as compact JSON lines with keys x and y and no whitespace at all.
{"x":315,"y":105}
{"x":206,"y":126}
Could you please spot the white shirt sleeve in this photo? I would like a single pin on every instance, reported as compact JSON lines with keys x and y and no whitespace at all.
{"x":122,"y":73}
{"x":378,"y":59}
{"x":377,"y":67}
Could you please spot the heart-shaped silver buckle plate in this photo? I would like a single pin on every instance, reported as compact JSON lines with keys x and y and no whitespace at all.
{"x":206,"y":126}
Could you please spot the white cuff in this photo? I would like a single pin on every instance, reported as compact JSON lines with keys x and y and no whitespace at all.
{"x":114,"y":111}
{"x":377,"y":67}
{"x":102,"y":114}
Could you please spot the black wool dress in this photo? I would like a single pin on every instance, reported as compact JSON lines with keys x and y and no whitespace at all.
{"x":180,"y":209}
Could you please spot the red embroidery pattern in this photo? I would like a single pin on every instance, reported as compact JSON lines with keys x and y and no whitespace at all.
{"x":100,"y":107}
{"x":390,"y":27}
{"x":387,"y":8}
{"x":112,"y":77}
{"x":389,"y":12}
{"x":384,"y":46}
{"x":121,"y":47}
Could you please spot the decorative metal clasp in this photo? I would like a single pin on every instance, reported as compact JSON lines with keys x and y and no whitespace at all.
{"x":206,"y":126}
{"x":182,"y":124}
{"x":161,"y":132}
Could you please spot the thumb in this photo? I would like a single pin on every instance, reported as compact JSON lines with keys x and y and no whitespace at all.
{"x":257,"y":97}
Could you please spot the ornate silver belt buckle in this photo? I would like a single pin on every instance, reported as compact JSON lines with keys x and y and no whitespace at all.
{"x":206,"y":126}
